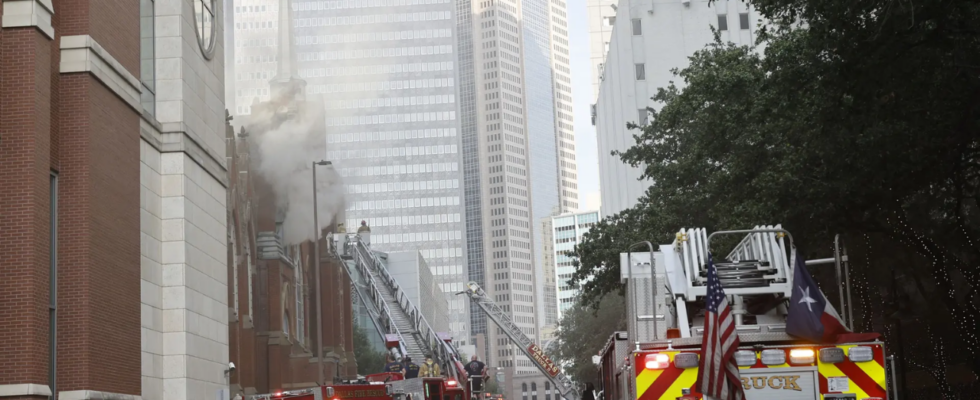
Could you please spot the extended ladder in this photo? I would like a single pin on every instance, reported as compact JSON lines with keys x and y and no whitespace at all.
{"x":551,"y":370}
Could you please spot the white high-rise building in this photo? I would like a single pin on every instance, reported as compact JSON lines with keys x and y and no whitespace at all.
{"x":519,"y":159}
{"x":567,"y":231}
{"x":648,"y":40}
{"x":602,"y":17}
{"x":253,"y":45}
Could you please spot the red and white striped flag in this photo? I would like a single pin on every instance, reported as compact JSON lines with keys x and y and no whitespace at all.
{"x":717,"y":371}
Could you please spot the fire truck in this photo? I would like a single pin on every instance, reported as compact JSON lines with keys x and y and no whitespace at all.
{"x":657,"y":357}
{"x":383,"y":386}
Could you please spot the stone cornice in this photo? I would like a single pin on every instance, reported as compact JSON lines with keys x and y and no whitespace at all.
{"x":95,"y":395}
{"x":180,"y":141}
{"x":24,"y":389}
{"x":36,"y":13}
{"x":81,"y":53}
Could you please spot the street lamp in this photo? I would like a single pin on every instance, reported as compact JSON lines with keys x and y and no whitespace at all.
{"x":316,"y":267}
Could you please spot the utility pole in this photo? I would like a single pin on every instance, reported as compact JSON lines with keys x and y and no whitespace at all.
{"x":316,"y":269}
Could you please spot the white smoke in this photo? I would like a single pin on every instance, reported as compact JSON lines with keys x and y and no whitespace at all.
{"x":286,"y":151}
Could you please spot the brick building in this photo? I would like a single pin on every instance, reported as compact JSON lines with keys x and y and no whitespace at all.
{"x":273,"y":297}
{"x":273,"y":315}
{"x":112,"y":208}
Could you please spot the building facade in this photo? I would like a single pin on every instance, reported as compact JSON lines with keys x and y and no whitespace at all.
{"x":415,"y":278}
{"x":567,"y":231}
{"x":113,"y":276}
{"x":648,"y":40}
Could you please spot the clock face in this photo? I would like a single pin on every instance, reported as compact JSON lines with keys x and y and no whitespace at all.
{"x":204,"y":19}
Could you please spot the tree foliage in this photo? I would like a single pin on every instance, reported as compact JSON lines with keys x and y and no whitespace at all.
{"x":581,"y":334}
{"x":369,"y":359}
{"x":865,"y":122}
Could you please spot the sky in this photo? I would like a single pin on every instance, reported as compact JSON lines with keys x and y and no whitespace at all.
{"x":585,"y":136}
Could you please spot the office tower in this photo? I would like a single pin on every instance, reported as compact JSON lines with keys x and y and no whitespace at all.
{"x":254,"y":40}
{"x":519,"y":154}
{"x":647,"y":41}
{"x":386,"y":70}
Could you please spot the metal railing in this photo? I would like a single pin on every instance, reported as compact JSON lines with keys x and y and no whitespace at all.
{"x":366,"y":262}
{"x":382,"y":321}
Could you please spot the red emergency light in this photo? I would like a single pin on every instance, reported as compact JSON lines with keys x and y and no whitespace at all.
{"x":450,"y":383}
{"x":657,"y":361}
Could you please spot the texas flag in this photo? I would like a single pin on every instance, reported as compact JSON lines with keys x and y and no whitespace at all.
{"x":812,"y":317}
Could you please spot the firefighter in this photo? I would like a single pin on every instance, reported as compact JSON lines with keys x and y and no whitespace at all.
{"x":394,"y":366}
{"x":430,"y":369}
{"x":411,"y":369}
{"x":476,"y":371}
{"x":364,"y":232}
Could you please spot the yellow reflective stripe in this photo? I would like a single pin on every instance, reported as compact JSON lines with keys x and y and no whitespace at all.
{"x":829,"y":370}
{"x":646,"y":378}
{"x":686,"y":380}
{"x":875,"y":371}
{"x":649,"y":376}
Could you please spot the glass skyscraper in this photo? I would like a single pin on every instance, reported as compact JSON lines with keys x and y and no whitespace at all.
{"x":386,"y":71}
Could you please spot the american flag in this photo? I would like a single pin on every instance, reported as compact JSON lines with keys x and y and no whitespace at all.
{"x":717,"y":371}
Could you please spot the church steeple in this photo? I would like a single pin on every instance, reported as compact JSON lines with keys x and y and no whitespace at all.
{"x":287,"y":78}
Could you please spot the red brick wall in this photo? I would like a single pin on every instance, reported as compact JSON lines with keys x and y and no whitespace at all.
{"x":114,"y":24}
{"x":99,"y":263}
{"x":25,"y":136}
{"x":74,"y":125}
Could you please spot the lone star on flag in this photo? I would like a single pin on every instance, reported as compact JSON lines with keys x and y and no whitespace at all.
{"x":806,"y":298}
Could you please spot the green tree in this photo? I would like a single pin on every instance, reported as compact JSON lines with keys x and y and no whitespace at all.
{"x":492,"y":386}
{"x":581,"y":334}
{"x":369,"y":360}
{"x":865,"y":123}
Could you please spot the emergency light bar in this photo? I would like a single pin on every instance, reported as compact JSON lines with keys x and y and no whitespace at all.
{"x":831,"y":355}
{"x":801,"y":356}
{"x":774,"y":357}
{"x":860,"y":354}
{"x":686,"y":360}
{"x":657,"y":361}
{"x":745,"y":358}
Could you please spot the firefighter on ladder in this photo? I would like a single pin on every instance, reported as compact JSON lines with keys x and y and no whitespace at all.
{"x":365,"y":233}
{"x":476,"y":371}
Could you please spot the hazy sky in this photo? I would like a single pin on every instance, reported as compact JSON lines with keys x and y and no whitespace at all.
{"x":585,"y":146}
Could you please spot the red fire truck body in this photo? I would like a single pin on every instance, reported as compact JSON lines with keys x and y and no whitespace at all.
{"x":382,"y":386}
{"x":770,"y":371}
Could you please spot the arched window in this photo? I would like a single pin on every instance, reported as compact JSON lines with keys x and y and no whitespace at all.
{"x":534,"y":391}
{"x":524,"y":391}
{"x":285,"y":323}
{"x":283,"y":302}
{"x":300,"y":306}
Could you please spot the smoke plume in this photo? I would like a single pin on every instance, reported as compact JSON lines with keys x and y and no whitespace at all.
{"x":287,"y":138}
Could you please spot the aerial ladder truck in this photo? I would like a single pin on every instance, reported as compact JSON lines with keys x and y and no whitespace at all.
{"x":657,"y":358}
{"x":533,"y":352}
